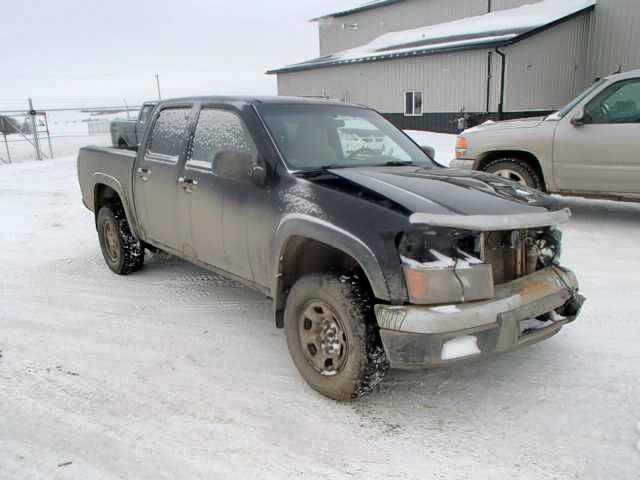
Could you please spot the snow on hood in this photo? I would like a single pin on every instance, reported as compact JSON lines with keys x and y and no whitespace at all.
{"x":495,"y":28}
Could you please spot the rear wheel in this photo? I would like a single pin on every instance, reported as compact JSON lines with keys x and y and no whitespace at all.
{"x":516,"y":170}
{"x":122,"y":252}
{"x":332,"y":337}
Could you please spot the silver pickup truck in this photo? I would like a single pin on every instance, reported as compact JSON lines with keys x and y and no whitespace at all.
{"x":128,"y":133}
{"x":588,"y":148}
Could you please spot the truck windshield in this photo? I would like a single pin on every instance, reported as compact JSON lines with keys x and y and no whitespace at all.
{"x":566,"y":109}
{"x":312,"y":137}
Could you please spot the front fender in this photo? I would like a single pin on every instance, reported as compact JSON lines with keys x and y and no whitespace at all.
{"x":299,"y":225}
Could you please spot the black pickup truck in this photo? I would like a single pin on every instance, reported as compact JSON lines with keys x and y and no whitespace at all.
{"x":373,"y":254}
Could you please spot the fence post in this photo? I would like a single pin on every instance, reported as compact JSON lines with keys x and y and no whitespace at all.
{"x":34,"y":126}
{"x":6,"y":145}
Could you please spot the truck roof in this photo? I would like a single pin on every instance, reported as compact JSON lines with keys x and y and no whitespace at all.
{"x":257,"y":100}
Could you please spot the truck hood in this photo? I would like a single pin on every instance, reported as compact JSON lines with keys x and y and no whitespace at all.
{"x":445,"y":192}
{"x":507,"y":124}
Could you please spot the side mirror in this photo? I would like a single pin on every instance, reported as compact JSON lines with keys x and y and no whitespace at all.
{"x":429,"y":150}
{"x":239,"y":166}
{"x":578,"y":118}
{"x":259,"y":175}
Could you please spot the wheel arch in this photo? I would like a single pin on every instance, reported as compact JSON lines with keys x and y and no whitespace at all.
{"x":306,"y":245}
{"x":108,"y":190}
{"x":524,"y":155}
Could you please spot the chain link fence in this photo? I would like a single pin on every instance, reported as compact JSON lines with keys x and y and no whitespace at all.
{"x":44,"y":134}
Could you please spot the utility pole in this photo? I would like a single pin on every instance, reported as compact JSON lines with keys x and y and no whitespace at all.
{"x":126,"y":108}
{"x":34,"y":126}
{"x":158,"y":86}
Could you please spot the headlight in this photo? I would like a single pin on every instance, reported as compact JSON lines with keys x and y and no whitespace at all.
{"x":462,"y":145}
{"x":442,"y":267}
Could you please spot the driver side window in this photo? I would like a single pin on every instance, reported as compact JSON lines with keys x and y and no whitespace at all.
{"x":619,"y":103}
{"x":222,"y":145}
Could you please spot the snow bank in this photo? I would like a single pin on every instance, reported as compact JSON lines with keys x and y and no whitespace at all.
{"x":443,"y":143}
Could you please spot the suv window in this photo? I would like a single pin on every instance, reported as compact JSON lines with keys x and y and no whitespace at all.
{"x":620,"y":103}
{"x":222,"y":144}
{"x":169,"y":132}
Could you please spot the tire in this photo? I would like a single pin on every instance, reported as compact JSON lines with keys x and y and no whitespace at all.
{"x":516,"y":170}
{"x":122,"y":252}
{"x":318,"y":303}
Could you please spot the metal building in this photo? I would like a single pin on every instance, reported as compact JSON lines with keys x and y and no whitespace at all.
{"x":426,"y":63}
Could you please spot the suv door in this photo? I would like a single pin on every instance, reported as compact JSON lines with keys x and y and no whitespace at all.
{"x":156,"y":175}
{"x":218,"y":189}
{"x":600,"y":152}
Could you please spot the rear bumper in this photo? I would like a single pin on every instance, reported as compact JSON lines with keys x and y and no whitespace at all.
{"x":422,"y":336}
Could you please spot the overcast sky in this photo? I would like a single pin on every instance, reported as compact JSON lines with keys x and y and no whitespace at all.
{"x":97,"y":52}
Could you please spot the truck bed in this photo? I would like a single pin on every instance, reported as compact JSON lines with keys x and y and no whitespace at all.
{"x":106,"y":165}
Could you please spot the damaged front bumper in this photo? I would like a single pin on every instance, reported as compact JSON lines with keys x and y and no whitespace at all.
{"x":522,"y":312}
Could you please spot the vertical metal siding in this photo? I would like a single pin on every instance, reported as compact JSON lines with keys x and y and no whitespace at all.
{"x":614,"y":37}
{"x":449,"y":81}
{"x":504,"y":4}
{"x":337,"y":33}
{"x":547,"y":70}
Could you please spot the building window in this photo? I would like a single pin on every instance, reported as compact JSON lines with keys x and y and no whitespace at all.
{"x":413,"y":103}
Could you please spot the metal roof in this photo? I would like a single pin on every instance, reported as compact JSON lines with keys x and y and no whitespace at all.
{"x":495,"y":29}
{"x":361,"y":8}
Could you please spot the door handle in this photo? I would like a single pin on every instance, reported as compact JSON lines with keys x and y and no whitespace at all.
{"x":144,"y":173}
{"x":188,"y":184}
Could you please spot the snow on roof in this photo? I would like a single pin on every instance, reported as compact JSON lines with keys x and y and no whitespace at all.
{"x":360,"y":8}
{"x":499,"y":28}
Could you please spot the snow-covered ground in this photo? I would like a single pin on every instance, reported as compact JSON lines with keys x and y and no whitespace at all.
{"x":177,"y":373}
{"x":443,"y":143}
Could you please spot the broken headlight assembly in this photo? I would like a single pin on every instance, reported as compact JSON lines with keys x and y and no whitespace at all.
{"x":449,"y":266}
{"x":444,"y":266}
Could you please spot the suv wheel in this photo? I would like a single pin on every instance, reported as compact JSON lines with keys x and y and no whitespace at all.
{"x":332,"y":337}
{"x":516,"y":170}
{"x":122,"y":252}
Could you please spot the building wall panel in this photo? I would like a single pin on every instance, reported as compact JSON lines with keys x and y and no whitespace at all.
{"x":342,"y":33}
{"x":449,"y":82}
{"x":614,"y":37}
{"x":547,"y":70}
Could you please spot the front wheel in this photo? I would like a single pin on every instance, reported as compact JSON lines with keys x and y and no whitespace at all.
{"x":122,"y":252}
{"x":516,"y":170}
{"x":332,"y":337}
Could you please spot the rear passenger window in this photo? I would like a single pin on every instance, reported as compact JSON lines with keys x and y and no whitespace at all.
{"x":169,"y":132}
{"x":221,"y":143}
